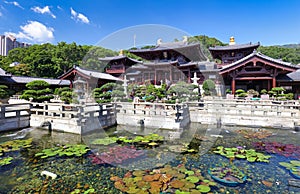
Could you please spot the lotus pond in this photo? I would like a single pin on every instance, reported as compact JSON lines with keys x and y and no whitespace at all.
{"x":200,"y":159}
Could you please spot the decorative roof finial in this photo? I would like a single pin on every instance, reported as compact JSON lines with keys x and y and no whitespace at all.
{"x":121,"y":52}
{"x":159,"y":41}
{"x":231,"y":42}
{"x":185,"y":39}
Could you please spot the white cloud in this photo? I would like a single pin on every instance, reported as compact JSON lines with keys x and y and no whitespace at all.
{"x":14,"y":3}
{"x":35,"y":32}
{"x":44,"y":10}
{"x":79,"y":17}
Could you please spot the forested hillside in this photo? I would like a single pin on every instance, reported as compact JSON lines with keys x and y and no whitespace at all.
{"x":48,"y":60}
{"x":284,"y":53}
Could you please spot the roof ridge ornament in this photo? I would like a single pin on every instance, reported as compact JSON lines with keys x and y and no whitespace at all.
{"x":231,"y":41}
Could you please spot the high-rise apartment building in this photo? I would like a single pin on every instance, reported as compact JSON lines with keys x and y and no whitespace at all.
{"x":8,"y":43}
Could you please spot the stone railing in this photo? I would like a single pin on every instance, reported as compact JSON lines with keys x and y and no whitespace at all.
{"x":74,"y":118}
{"x":267,"y":113}
{"x":153,"y":115}
{"x":14,"y":116}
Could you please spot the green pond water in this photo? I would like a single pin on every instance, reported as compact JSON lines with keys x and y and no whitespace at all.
{"x":80,"y":174}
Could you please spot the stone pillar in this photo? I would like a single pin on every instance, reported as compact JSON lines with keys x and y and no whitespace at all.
{"x":125,"y":84}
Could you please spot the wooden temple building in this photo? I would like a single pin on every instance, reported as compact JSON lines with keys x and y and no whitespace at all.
{"x":242,"y":67}
{"x":18,"y":83}
{"x":235,"y":66}
{"x":164,"y":63}
{"x":91,"y":79}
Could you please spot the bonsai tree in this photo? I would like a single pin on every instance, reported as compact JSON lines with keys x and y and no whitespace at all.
{"x":118,"y":93}
{"x":253,"y":93}
{"x":107,"y":92}
{"x":240,"y":93}
{"x":277,"y":92}
{"x":209,"y":87}
{"x":182,"y":91}
{"x":263,"y":91}
{"x":228,"y":91}
{"x":289,"y":96}
{"x":66,"y":94}
{"x":38,"y":91}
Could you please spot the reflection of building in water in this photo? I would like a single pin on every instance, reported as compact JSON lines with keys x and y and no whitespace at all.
{"x":137,"y":130}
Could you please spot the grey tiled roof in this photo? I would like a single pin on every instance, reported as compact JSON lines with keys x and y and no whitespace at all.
{"x":293,"y":76}
{"x":234,"y":47}
{"x":260,"y":55}
{"x":96,"y":74}
{"x":24,"y":80}
{"x":3,"y":73}
{"x":118,"y":58}
{"x":166,"y":46}
{"x":207,"y":66}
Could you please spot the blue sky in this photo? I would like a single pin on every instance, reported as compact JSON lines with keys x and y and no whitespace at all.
{"x":270,"y":22}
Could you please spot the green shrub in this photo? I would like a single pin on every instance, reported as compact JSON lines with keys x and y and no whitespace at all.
{"x":209,"y":87}
{"x":289,"y":96}
{"x":4,"y":92}
{"x":263,"y":91}
{"x":37,"y":90}
{"x":252,"y":92}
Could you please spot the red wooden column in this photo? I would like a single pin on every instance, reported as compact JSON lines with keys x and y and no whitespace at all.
{"x":273,"y":82}
{"x":233,"y":85}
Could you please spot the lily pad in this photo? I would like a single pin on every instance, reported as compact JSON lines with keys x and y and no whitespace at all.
{"x":5,"y":161}
{"x":192,"y":179}
{"x":203,"y":188}
{"x":104,"y":141}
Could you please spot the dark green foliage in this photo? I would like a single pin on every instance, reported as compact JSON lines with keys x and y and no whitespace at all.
{"x":108,"y":86}
{"x":291,"y":55}
{"x":277,"y":91}
{"x":263,"y":91}
{"x":37,"y":85}
{"x":67,"y":96}
{"x":91,"y":59}
{"x":58,"y":91}
{"x":37,"y":90}
{"x":105,"y":93}
{"x":4,"y":92}
{"x":205,"y":43}
{"x":182,"y":91}
{"x":289,"y":96}
{"x":49,"y":60}
{"x":240,"y":93}
{"x":209,"y":87}
{"x":228,"y":91}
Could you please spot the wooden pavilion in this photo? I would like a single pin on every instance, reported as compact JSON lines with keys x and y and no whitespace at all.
{"x":92,"y":79}
{"x":243,"y":70}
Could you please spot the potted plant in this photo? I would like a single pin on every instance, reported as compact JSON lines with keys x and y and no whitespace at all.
{"x":241,"y":94}
{"x":264,"y":94}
